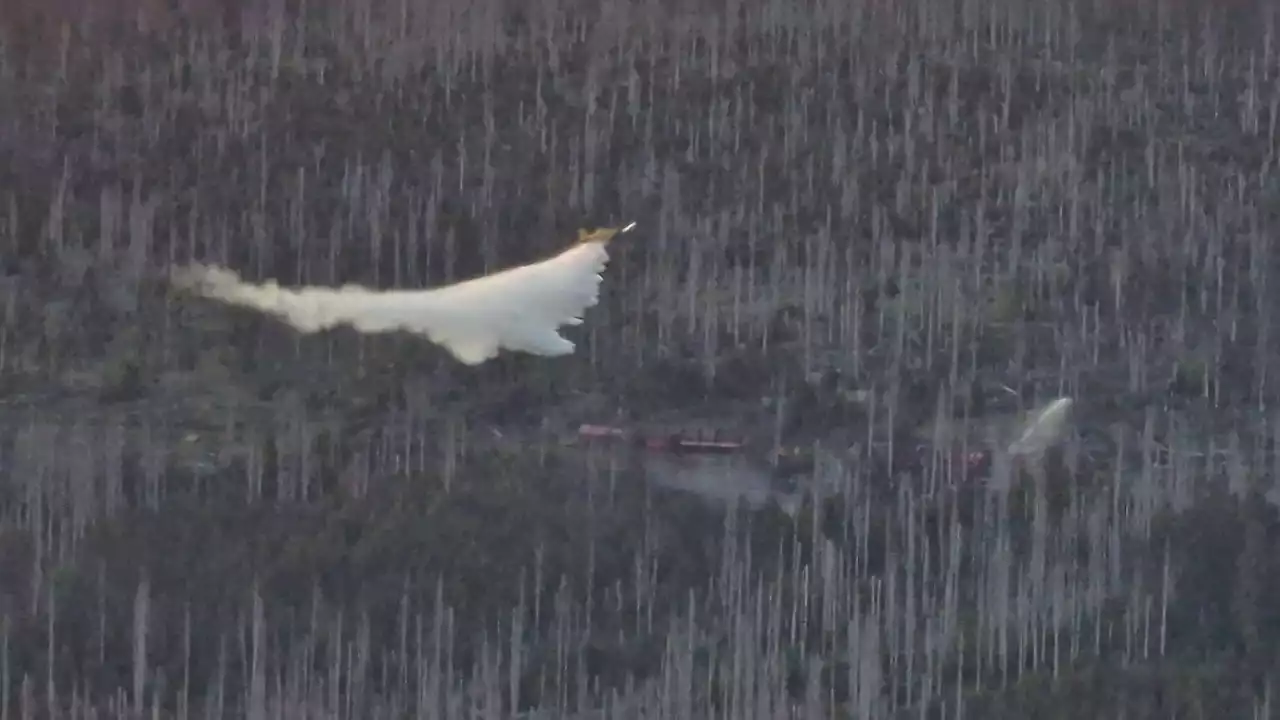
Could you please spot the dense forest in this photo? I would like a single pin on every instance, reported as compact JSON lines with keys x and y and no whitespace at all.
{"x":871,"y":235}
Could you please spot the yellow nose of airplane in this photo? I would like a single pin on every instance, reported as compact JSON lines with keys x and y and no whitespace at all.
{"x":602,"y":235}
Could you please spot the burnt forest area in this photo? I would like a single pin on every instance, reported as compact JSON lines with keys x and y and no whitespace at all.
{"x":870,"y":233}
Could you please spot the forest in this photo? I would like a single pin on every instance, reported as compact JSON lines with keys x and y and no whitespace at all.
{"x":872,"y":236}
